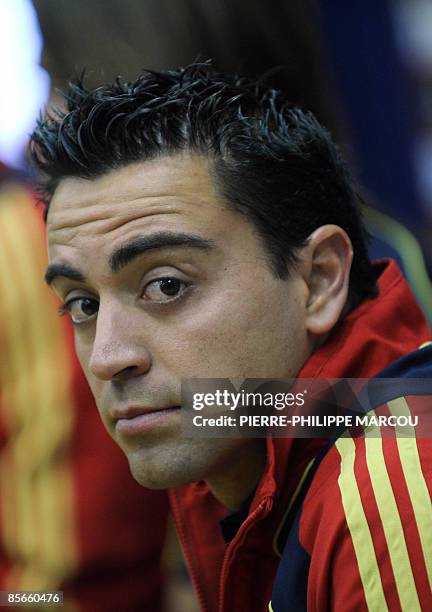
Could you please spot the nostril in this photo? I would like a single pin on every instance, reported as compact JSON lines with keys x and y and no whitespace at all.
{"x":128,"y":372}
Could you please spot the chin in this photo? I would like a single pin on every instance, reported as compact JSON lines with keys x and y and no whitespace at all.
{"x":161,"y":472}
{"x":173,"y":463}
{"x":155,"y":479}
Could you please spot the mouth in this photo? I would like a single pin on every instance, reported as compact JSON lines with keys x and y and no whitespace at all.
{"x":136,"y":420}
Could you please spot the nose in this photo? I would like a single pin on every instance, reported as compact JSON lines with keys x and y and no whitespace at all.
{"x":117,"y":352}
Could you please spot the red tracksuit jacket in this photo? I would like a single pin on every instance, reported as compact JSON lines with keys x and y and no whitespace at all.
{"x":239,"y":576}
{"x":359,"y":534}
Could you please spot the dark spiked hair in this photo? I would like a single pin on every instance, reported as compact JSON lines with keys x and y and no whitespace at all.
{"x":270,"y":161}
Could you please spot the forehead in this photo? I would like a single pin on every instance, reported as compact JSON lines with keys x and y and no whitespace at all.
{"x":89,"y":220}
{"x":168,"y":185}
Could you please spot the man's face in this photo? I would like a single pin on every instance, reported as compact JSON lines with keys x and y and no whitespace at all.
{"x":164,"y":283}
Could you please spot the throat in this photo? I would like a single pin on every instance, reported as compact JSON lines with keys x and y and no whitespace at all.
{"x":240,"y":475}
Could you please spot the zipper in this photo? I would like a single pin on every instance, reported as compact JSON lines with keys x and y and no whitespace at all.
{"x":182,"y":537}
{"x":267,"y":504}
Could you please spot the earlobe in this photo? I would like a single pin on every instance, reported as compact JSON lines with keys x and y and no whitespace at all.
{"x":328,"y":258}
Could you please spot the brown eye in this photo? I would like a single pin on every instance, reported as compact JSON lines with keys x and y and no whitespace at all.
{"x":164,"y":289}
{"x":82,"y":309}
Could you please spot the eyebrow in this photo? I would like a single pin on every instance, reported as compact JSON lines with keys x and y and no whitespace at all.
{"x":55,"y":270}
{"x":130,"y":251}
{"x":133,"y":249}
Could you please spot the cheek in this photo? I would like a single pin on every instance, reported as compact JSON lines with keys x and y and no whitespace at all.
{"x":83,"y":351}
{"x":83,"y":348}
{"x":260,"y":336}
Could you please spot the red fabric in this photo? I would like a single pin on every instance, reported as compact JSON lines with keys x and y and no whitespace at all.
{"x":334,"y":581}
{"x":240,"y":576}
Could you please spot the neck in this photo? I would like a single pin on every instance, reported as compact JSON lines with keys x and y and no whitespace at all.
{"x":242,"y":472}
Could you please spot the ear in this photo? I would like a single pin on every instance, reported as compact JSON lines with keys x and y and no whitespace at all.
{"x":326,"y":264}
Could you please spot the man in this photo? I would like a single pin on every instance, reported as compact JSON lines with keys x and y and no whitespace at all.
{"x":201,"y":227}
